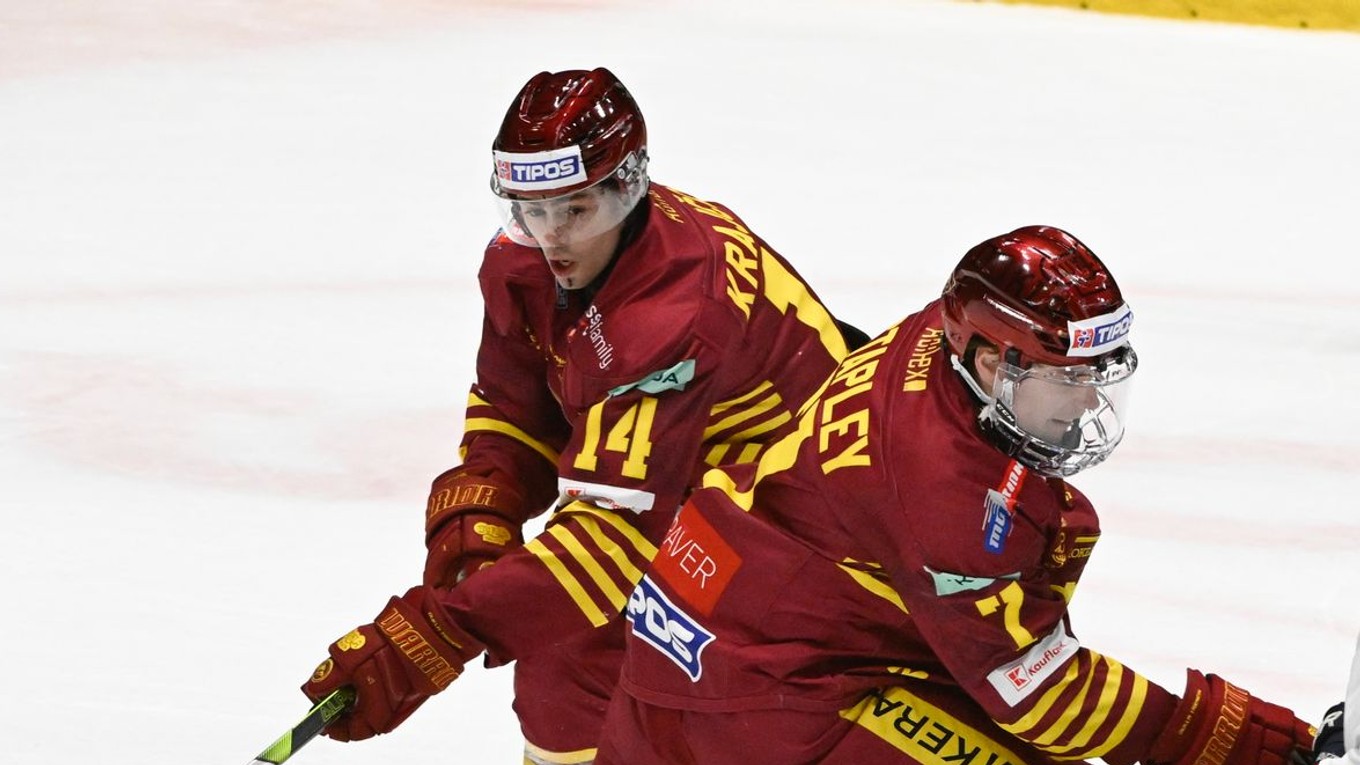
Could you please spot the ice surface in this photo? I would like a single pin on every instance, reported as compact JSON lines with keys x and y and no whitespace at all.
{"x":238,"y":314}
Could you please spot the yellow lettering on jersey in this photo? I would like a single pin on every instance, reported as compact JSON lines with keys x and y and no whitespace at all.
{"x":631,"y":435}
{"x":1012,"y":596}
{"x":840,"y":418}
{"x":743,"y":266}
{"x":918,"y":366}
{"x":786,"y":291}
{"x":665,"y":207}
{"x":707,"y":208}
{"x":1065,"y":590}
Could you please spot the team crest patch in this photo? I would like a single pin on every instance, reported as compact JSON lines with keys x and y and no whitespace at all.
{"x":665,"y":627}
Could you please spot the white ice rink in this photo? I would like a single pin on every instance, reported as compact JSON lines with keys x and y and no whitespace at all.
{"x":238,"y":315}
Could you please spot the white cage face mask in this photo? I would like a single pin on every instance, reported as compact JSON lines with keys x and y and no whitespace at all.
{"x":1061,"y":420}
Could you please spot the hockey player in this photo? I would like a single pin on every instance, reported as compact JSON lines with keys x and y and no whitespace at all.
{"x":891,"y":582}
{"x":1338,"y":739}
{"x":634,"y":336}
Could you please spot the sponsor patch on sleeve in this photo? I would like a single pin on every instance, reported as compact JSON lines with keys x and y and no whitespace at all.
{"x":671,"y":378}
{"x":1018,"y":679}
{"x":610,"y":497}
{"x":695,"y":560}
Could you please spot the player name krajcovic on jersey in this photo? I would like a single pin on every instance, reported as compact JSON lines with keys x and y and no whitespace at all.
{"x":740,"y":251}
{"x":843,"y":413}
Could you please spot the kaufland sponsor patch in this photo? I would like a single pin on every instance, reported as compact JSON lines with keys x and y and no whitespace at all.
{"x":695,"y":560}
{"x":1017,"y":680}
{"x":540,"y":170}
{"x":612,"y":497}
{"x":665,"y":627}
{"x":1099,"y":334}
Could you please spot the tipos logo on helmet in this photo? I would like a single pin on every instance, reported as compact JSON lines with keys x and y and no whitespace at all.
{"x":1099,"y":334}
{"x":540,"y":171}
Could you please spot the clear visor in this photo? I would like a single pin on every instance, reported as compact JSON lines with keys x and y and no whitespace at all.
{"x":571,"y":218}
{"x":1068,"y":418}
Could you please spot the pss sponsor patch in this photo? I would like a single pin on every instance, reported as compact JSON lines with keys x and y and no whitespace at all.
{"x":664,"y":626}
{"x":1099,"y":334}
{"x":540,"y":170}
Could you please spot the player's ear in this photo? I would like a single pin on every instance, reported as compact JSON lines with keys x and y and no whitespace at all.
{"x":986,"y":360}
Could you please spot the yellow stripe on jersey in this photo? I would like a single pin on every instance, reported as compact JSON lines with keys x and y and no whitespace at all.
{"x":587,"y":561}
{"x":723,"y":406}
{"x":1023,"y":727}
{"x":900,"y":718}
{"x":537,"y":755}
{"x":568,"y":582}
{"x":777,"y":458}
{"x":1081,"y":746}
{"x":786,"y":291}
{"x":486,"y":424}
{"x":876,"y":586}
{"x":640,"y":543}
{"x":741,"y":415}
{"x":606,"y":545}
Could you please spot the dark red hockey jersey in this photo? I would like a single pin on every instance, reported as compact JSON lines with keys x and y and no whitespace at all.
{"x":700,"y":345}
{"x":884,"y":543}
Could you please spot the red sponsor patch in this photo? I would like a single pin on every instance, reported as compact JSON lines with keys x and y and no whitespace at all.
{"x":695,"y":561}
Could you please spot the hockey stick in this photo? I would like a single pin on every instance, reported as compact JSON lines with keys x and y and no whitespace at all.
{"x":319,"y":717}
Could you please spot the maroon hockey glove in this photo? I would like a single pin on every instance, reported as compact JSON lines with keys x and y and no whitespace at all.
{"x":1218,"y":723}
{"x":409,"y":653}
{"x":469,"y":522}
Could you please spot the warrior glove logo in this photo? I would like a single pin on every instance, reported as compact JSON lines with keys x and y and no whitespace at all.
{"x":663,"y":626}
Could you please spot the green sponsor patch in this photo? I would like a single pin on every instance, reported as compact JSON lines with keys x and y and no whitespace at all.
{"x":948,"y":584}
{"x":674,"y":378}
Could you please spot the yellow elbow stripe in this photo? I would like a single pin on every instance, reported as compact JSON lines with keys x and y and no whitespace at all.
{"x":639,"y":542}
{"x":1089,"y":702}
{"x":489,"y":425}
{"x":569,"y":582}
{"x":579,"y":540}
{"x":592,"y":567}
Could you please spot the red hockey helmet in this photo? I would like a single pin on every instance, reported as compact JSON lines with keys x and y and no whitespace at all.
{"x":1061,"y":326}
{"x":571,"y":135}
{"x":1039,"y":290}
